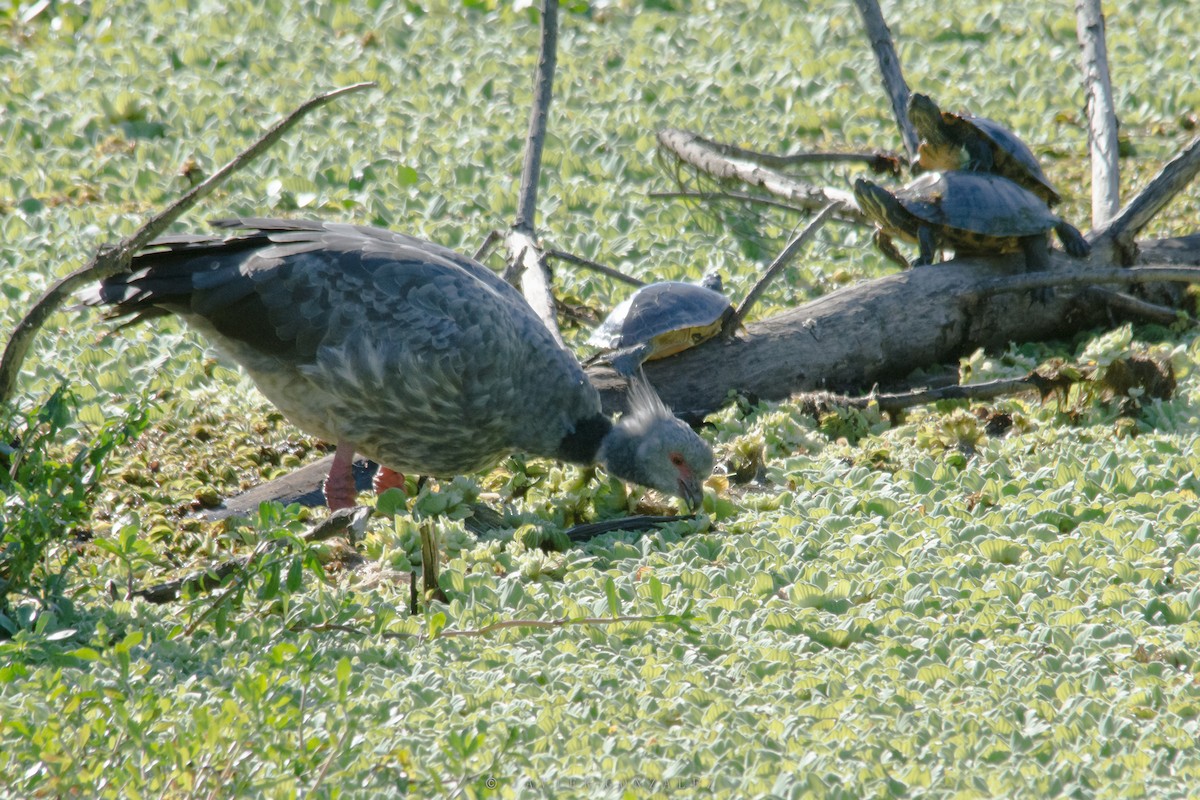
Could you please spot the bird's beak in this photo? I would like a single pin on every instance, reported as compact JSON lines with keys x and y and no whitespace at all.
{"x":692,"y":493}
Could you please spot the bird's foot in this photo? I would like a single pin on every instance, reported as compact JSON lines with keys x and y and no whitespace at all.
{"x":387,"y":478}
{"x":340,"y":491}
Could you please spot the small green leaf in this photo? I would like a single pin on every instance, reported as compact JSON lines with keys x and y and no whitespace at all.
{"x":614,"y":602}
{"x":392,"y":502}
{"x":407,"y":176}
{"x":131,"y":640}
{"x":656,"y":593}
{"x":342,"y":674}
{"x":295,"y":575}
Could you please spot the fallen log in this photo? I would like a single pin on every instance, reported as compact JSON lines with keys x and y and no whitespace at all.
{"x":882,"y":330}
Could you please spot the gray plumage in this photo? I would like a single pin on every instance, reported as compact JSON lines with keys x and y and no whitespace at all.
{"x":421,"y":358}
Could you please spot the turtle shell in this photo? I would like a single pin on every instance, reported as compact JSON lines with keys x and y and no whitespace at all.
{"x":978,"y":203}
{"x":1013,"y":158}
{"x":949,"y":139}
{"x":668,"y":315}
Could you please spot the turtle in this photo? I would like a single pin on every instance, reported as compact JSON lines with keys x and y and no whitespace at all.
{"x":963,"y":141}
{"x":407,"y":352}
{"x":661,"y":319}
{"x":970,"y":212}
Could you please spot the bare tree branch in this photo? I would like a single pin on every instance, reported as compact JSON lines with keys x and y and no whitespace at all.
{"x":900,"y":401}
{"x":781,"y":261}
{"x":738,"y":196}
{"x":878,"y":162}
{"x":889,"y":68}
{"x":111,"y":259}
{"x":524,"y":253}
{"x":1141,"y":309}
{"x":615,"y":274}
{"x":707,"y":156}
{"x":539,"y":114}
{"x":881,"y":330}
{"x":1101,"y":112}
{"x":1170,"y":181}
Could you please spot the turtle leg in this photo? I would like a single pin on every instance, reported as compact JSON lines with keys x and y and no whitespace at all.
{"x":979,"y":155}
{"x":1037,"y":259}
{"x":339,"y":485}
{"x":1037,"y":252}
{"x":928,"y":244}
{"x":1072,"y":240}
{"x":889,"y":249}
{"x":627,"y":361}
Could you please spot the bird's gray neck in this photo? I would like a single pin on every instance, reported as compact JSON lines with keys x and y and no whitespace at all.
{"x":618,"y":454}
{"x":582,"y":445}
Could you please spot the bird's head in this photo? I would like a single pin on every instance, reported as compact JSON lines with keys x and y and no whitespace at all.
{"x":649,"y":445}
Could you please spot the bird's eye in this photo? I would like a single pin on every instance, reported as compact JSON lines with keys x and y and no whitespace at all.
{"x":677,"y":459}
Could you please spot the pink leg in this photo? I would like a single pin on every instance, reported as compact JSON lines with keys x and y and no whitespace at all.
{"x":387,"y":478}
{"x":339,"y":486}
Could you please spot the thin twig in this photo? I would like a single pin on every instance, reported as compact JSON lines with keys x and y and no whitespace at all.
{"x":112,"y":259}
{"x":739,"y":196}
{"x":451,"y":633}
{"x":489,"y":244}
{"x":782,"y":260}
{"x":889,"y":69}
{"x":536,"y":624}
{"x":333,"y":751}
{"x":1101,"y":113}
{"x":352,"y":520}
{"x":242,"y":575}
{"x":413,"y":608}
{"x":590,"y":530}
{"x":892,"y":403}
{"x":615,"y":274}
{"x":1142,"y":309}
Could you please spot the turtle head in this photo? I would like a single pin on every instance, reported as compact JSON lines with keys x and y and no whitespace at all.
{"x":925,"y":116}
{"x":941,"y":146}
{"x":713,"y":280}
{"x":877,"y":203}
{"x":650,"y":446}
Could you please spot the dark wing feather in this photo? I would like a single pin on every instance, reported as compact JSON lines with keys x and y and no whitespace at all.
{"x":424,"y":358}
